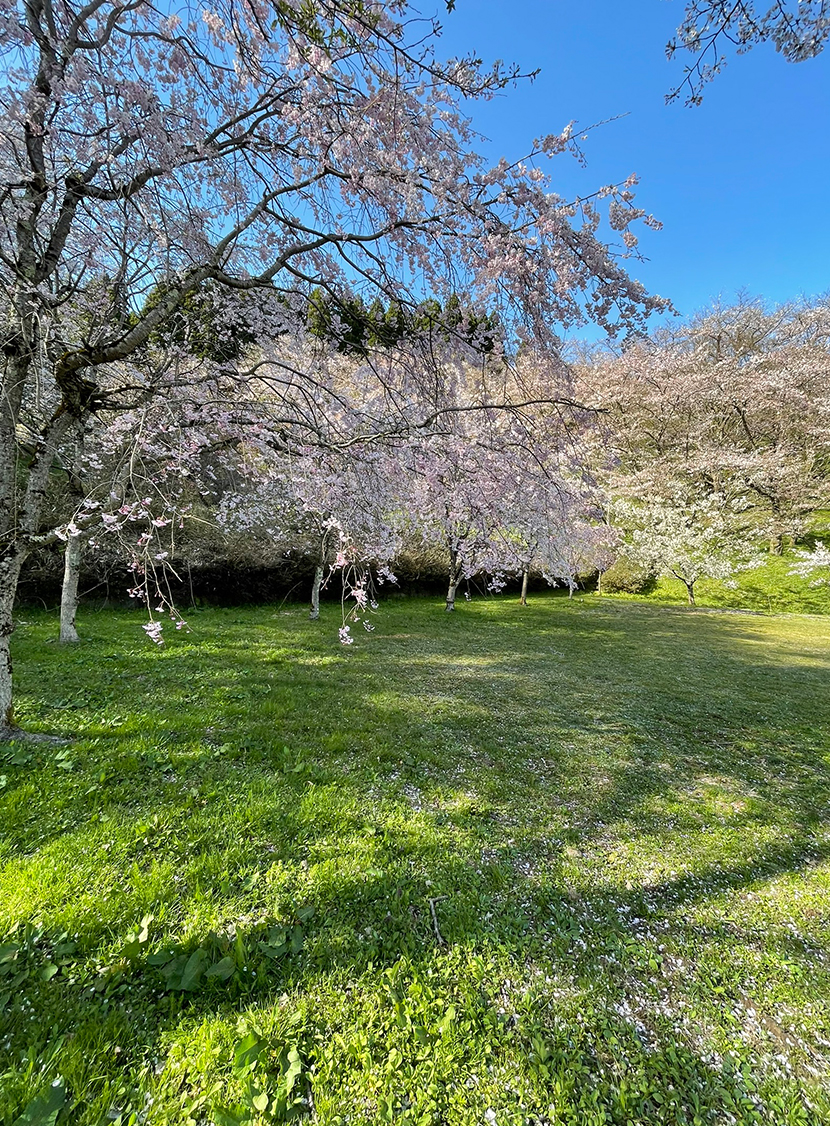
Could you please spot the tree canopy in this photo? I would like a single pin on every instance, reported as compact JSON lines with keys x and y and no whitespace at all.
{"x":798,"y":29}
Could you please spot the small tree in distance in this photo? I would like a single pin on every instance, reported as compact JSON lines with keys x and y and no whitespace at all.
{"x":687,"y":538}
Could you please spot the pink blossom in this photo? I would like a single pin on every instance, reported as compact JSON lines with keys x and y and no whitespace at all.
{"x":153,"y":629}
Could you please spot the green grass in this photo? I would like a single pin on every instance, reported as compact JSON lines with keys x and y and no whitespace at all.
{"x":617,"y":811}
{"x":769,"y":588}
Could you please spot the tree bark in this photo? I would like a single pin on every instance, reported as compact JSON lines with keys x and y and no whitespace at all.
{"x":21,"y":504}
{"x":69,"y":591}
{"x":524,"y":588}
{"x":9,"y":575}
{"x":690,"y":591}
{"x":455,"y":575}
{"x":314,"y":613}
{"x":6,"y":708}
{"x":451,"y":589}
{"x":776,"y":544}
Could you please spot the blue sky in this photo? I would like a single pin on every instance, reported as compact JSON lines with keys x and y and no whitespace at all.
{"x":741,"y":184}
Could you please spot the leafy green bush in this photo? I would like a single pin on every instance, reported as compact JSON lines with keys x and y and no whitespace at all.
{"x":625,"y":577}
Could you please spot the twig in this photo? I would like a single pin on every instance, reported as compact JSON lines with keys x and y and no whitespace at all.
{"x":439,"y":937}
{"x":294,"y":587}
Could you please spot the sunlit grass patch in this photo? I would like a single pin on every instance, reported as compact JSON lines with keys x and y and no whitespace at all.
{"x":768,"y":588}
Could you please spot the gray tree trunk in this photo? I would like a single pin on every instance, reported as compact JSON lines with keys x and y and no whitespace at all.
{"x":314,"y":613}
{"x":451,"y":589}
{"x":455,"y":575}
{"x":690,"y":593}
{"x":69,"y":592}
{"x":454,"y":578}
{"x":524,"y":588}
{"x":9,"y":575}
{"x":21,"y":504}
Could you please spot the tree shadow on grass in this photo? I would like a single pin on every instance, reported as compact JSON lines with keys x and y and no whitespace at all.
{"x":592,"y":1058}
{"x":366,"y":817}
{"x":380,"y":732}
{"x":681,"y":703}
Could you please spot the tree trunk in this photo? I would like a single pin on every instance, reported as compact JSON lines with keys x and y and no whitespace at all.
{"x":455,"y":575}
{"x":22,"y":490}
{"x":690,"y":591}
{"x":524,"y":588}
{"x":776,"y":544}
{"x":451,"y":589}
{"x":69,"y":592}
{"x":314,"y":613}
{"x":21,"y":504}
{"x":9,"y":575}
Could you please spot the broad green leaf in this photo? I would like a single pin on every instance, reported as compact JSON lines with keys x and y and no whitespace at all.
{"x":8,"y":956}
{"x":248,"y":1051}
{"x":277,"y":944}
{"x":295,"y":1069}
{"x":222,"y":970}
{"x":44,"y":1110}
{"x":132,"y":947}
{"x":194,"y":969}
{"x":273,"y":952}
{"x":173,"y":970}
{"x":224,"y":1116}
{"x":160,"y":959}
{"x":130,"y":950}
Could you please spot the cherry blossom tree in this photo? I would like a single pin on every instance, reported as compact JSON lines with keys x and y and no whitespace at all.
{"x":497,"y":490}
{"x":255,"y":150}
{"x":137,"y":475}
{"x":798,"y":29}
{"x":456,"y":490}
{"x":735,"y":402}
{"x":688,"y":538}
{"x":548,"y":519}
{"x":715,"y":435}
{"x":766,"y":405}
{"x":73,"y":553}
{"x":337,"y":506}
{"x":813,"y":564}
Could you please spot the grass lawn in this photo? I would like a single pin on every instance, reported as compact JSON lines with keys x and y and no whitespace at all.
{"x":562,"y":864}
{"x":768,"y":588}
